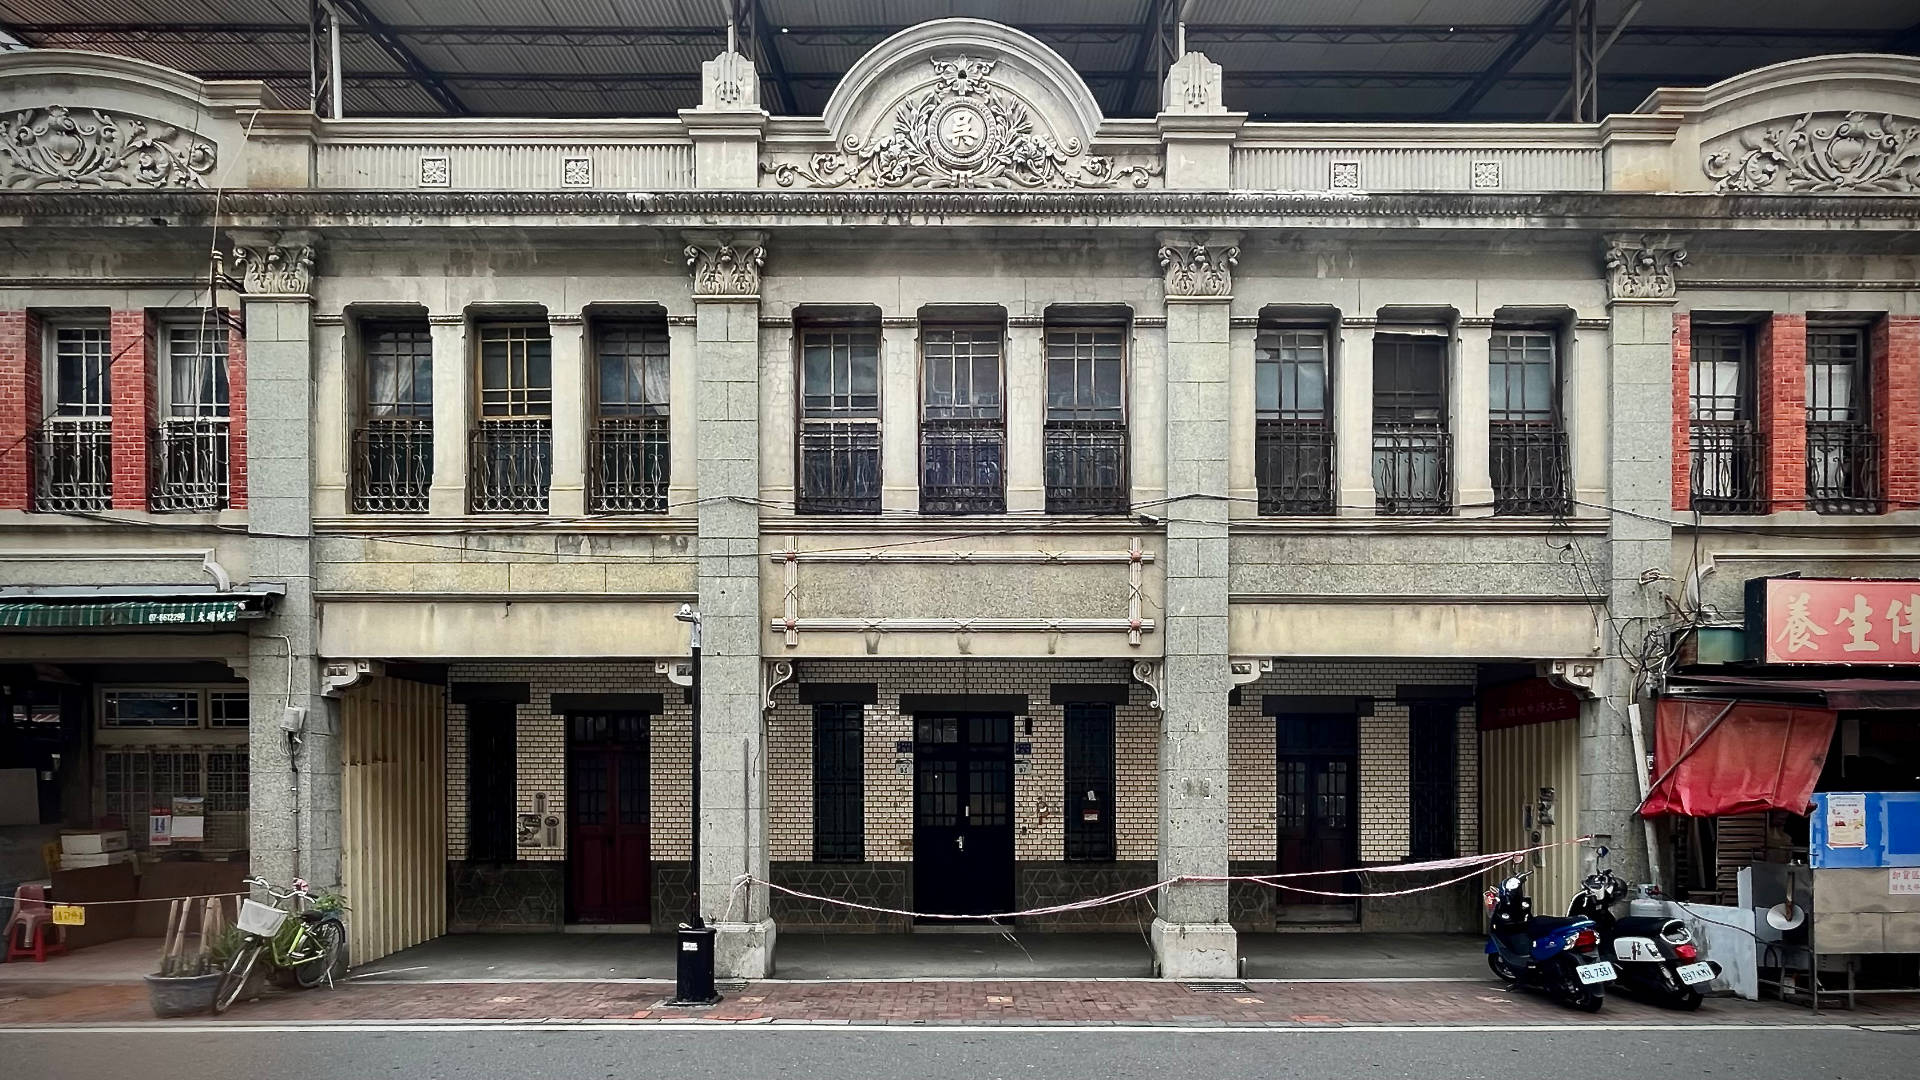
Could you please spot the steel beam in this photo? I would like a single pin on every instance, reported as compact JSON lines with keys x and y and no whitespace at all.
{"x":1516,"y":51}
{"x":430,"y":80}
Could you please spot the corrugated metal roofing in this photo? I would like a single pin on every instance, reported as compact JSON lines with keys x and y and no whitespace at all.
{"x":1324,"y":59}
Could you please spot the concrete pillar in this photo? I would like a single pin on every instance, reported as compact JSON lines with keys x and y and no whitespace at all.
{"x":1639,"y":418}
{"x":333,"y":417}
{"x":683,"y":460}
{"x":1468,"y":419}
{"x":900,"y":413}
{"x":1243,"y":483}
{"x":1582,"y":388}
{"x":1192,"y":935}
{"x":452,"y":415}
{"x":733,"y":809}
{"x":1353,"y":416}
{"x":573,"y":375}
{"x":1026,"y":414}
{"x":294,"y":800}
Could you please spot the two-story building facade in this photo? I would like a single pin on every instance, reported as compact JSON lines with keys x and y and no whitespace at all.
{"x":1063,"y":504}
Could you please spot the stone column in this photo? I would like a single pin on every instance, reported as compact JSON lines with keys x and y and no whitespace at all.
{"x":1583,"y":387}
{"x":733,"y":810}
{"x":1192,"y":936}
{"x":683,"y":461}
{"x":452,"y":415}
{"x":1243,"y":479}
{"x":333,"y":418}
{"x":1026,"y":413}
{"x":1353,"y":416}
{"x":294,"y":800}
{"x":1640,"y":304}
{"x":567,"y":491}
{"x":1468,"y":419}
{"x":899,"y":413}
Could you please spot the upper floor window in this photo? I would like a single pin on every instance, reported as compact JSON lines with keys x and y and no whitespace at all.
{"x":627,"y":462}
{"x":963,"y":435}
{"x":512,"y":442}
{"x":73,"y":452}
{"x":1722,"y":441}
{"x":1528,"y":444}
{"x":1843,"y":450}
{"x":393,"y":442}
{"x":1086,"y":426}
{"x":1293,"y":422}
{"x":190,"y":453}
{"x":1411,"y":444}
{"x":839,"y":420}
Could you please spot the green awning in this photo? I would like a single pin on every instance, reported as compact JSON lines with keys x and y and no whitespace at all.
{"x":39,"y":613}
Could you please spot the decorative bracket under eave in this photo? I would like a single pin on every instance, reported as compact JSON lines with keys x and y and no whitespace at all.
{"x":775,"y":673}
{"x":1576,"y":675}
{"x":1246,"y":669}
{"x":678,"y":672}
{"x":342,"y":675}
{"x":1149,"y":673}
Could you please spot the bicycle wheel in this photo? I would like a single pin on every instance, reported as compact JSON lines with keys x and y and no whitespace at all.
{"x":327,"y":940}
{"x":234,"y":982}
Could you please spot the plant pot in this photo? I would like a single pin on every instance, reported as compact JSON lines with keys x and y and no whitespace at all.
{"x":182,"y":995}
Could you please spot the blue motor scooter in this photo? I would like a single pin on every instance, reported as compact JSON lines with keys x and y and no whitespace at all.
{"x":1556,"y":953}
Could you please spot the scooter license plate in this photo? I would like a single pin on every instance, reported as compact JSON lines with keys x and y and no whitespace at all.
{"x":1694,"y":973}
{"x":1594,"y":973}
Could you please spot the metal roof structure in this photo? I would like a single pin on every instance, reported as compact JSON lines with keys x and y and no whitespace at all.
{"x":1351,"y":60}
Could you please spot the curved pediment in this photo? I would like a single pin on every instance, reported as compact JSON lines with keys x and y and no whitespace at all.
{"x":961,"y":103}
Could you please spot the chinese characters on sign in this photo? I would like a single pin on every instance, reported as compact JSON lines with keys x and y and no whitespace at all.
{"x":1813,"y":621}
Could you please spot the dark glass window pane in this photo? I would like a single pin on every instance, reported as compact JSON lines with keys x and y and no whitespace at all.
{"x":491,"y":756}
{"x":839,"y":782}
{"x":1433,"y":745}
{"x":1089,"y":782}
{"x":399,"y":369}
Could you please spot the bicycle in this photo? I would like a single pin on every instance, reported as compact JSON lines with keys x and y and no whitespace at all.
{"x":313,"y":948}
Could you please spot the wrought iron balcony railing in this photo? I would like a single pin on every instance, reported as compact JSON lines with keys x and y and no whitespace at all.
{"x":963,"y":466}
{"x":1410,"y":468}
{"x":839,"y":467}
{"x":1293,"y":466}
{"x":190,"y":464}
{"x":1843,"y":469}
{"x":393,"y":466}
{"x":627,"y":465}
{"x":1725,"y":467}
{"x":1086,"y":467}
{"x":73,"y":466}
{"x":511,"y":462}
{"x":1530,"y":469}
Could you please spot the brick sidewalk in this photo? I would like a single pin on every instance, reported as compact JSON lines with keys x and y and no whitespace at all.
{"x":1006,"y":1002}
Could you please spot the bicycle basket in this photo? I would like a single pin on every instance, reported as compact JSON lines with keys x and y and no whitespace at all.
{"x":260,"y":920}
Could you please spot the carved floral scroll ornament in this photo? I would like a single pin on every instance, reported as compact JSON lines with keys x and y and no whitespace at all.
{"x":726,"y":269}
{"x":965,"y":133}
{"x":1823,"y":152}
{"x":1642,"y":268}
{"x":1197,"y":270}
{"x":54,"y":146}
{"x":275,"y":268}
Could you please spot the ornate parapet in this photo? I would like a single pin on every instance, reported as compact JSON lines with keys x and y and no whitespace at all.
{"x":1825,"y":152}
{"x":75,"y":146}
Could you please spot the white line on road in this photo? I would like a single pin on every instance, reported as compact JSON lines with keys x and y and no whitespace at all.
{"x":521,"y":1026}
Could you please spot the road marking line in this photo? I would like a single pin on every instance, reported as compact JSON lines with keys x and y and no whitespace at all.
{"x":521,"y":1026}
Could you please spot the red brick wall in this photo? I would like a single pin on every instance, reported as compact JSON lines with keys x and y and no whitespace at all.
{"x":1894,"y":351}
{"x":1682,"y":410}
{"x":237,"y":423}
{"x":135,"y":406}
{"x":21,"y":406}
{"x":1780,"y":411}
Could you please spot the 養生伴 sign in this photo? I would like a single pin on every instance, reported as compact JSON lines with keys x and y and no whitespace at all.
{"x":1834,"y":621}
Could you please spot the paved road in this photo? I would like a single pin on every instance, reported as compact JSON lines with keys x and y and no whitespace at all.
{"x":529,"y":1052}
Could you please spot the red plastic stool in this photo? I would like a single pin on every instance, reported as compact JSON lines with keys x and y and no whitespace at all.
{"x":31,"y":934}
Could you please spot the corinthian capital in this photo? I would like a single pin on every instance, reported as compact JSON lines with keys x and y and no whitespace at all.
{"x":725,"y":266}
{"x":274,"y":264}
{"x":1642,"y":267}
{"x":1198,"y":268}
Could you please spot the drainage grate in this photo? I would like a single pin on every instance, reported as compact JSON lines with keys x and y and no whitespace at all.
{"x":1218,"y":987}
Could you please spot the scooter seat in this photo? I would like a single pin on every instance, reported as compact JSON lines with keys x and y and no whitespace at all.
{"x":1541,"y":925}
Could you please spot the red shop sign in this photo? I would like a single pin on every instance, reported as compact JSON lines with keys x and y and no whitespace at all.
{"x":1529,"y":701}
{"x":1837,"y":621}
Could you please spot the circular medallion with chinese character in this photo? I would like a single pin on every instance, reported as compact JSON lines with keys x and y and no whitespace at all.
{"x":960,"y":132}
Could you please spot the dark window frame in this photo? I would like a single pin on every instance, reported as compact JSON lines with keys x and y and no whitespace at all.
{"x":1433,"y":780}
{"x":1088,"y":444}
{"x":962,"y":443}
{"x":492,"y":780}
{"x":393,"y":434}
{"x":1723,"y":444}
{"x":1528,"y":457}
{"x":1843,"y":443}
{"x":1412,"y":441}
{"x":1293,"y":447}
{"x":842,"y":430}
{"x":839,"y":782}
{"x":1090,"y":760}
{"x":629,"y":465}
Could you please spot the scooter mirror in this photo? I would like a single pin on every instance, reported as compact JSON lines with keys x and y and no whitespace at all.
{"x":1601,"y":851}
{"x":1511,"y":884}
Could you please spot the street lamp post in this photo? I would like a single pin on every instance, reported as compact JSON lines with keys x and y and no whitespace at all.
{"x":691,"y":617}
{"x":693,"y":968}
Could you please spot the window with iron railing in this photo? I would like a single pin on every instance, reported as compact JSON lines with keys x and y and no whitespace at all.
{"x":510,"y":449}
{"x":190,"y":450}
{"x":73,"y":447}
{"x":839,"y":420}
{"x":1843,"y":450}
{"x":1527,"y":449}
{"x":1722,"y":442}
{"x":839,"y":782}
{"x":963,"y":435}
{"x":393,"y":443}
{"x":627,"y":449}
{"x":1086,"y":425}
{"x":1411,"y":445}
{"x":1293,"y":423}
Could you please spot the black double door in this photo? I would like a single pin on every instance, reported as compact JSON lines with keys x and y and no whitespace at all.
{"x":1316,"y":823}
{"x":963,"y":814}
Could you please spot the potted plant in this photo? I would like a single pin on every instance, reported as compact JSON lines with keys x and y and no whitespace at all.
{"x":187,"y":979}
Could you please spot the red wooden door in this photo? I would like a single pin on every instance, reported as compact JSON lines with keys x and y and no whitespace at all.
{"x":608,"y":854}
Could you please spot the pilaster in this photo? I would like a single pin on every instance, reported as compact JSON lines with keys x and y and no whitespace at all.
{"x":1026,"y":414}
{"x":333,"y":417}
{"x":567,"y":491}
{"x":899,"y":414}
{"x":1353,"y":417}
{"x":1469,"y":419}
{"x":452,"y":414}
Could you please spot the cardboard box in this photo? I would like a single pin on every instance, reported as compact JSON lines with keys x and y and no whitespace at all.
{"x":93,"y":843}
{"x":89,"y":859}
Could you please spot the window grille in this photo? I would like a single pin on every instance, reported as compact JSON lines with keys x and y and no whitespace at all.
{"x":962,"y":426}
{"x":190,"y":454}
{"x":1528,"y":445}
{"x":839,"y":782}
{"x":1843,"y":450}
{"x":1089,"y":753}
{"x":1433,"y":789}
{"x":1293,"y":423}
{"x":840,"y":421}
{"x":511,"y":448}
{"x":73,"y":449}
{"x":1722,"y":441}
{"x":1411,"y":445}
{"x":627,"y":455}
{"x":1086,"y":425}
{"x":393,"y":446}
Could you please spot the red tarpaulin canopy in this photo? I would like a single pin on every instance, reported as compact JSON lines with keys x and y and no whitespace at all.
{"x":1736,"y":757}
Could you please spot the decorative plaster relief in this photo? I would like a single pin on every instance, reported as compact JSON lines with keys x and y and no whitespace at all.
{"x":967,"y":132}
{"x":275,"y":267}
{"x":57,"y":146}
{"x":1193,"y":86}
{"x":1821,"y":152}
{"x":1486,"y":176}
{"x":724,"y":269}
{"x":576,"y":172}
{"x":1642,"y":268}
{"x":1197,"y":270}
{"x":1344,"y":176}
{"x":436,"y":170}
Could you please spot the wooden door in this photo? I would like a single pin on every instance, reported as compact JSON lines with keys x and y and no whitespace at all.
{"x":963,"y":814}
{"x":609,"y":824}
{"x":1316,"y":819}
